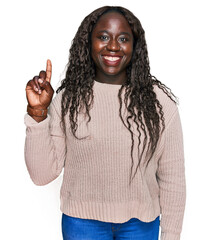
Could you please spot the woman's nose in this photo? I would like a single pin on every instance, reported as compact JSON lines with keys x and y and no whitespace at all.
{"x":113,"y":45}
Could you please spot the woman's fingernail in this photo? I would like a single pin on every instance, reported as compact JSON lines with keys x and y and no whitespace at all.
{"x":39,"y":91}
{"x":40,"y":80}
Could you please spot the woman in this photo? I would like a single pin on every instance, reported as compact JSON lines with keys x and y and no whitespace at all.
{"x":110,"y":118}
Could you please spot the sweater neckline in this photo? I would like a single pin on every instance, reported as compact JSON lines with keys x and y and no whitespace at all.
{"x":107,"y":85}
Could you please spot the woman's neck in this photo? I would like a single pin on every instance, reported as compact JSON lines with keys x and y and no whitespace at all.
{"x":111,"y":79}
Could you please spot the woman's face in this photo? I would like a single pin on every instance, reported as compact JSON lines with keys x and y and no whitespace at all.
{"x":112,"y":45}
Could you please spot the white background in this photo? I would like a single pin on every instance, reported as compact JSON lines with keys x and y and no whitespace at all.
{"x":179,"y":40}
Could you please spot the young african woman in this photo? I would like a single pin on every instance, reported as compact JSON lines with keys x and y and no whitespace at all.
{"x":110,"y":118}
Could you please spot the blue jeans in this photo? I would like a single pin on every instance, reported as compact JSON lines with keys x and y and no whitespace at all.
{"x":89,"y":229}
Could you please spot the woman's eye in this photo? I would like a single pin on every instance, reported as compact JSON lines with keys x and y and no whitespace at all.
{"x":104,"y":38}
{"x":123,"y":39}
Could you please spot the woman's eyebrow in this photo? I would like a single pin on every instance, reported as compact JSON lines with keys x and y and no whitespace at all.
{"x":121,"y":33}
{"x":102,"y":31}
{"x":127,"y":33}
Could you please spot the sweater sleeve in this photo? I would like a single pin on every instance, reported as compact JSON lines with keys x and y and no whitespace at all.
{"x":45,"y":147}
{"x":171,"y":180}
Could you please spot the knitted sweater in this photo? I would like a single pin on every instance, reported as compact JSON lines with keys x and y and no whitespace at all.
{"x":97,"y":168}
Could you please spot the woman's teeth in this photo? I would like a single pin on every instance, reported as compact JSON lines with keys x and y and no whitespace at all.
{"x":111,"y":58}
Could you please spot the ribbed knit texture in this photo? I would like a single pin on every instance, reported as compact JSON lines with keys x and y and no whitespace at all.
{"x":97,"y":168}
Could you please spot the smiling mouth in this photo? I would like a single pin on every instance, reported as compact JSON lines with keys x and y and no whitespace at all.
{"x":112,"y":59}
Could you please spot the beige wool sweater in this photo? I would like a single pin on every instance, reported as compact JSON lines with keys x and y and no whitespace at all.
{"x":97,"y":168}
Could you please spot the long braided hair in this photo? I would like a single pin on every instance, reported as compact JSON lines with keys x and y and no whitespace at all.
{"x":144,"y":108}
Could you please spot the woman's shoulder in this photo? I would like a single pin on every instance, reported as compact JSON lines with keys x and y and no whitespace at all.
{"x":168,"y":103}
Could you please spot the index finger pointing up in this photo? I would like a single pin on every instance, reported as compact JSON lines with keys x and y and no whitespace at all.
{"x":48,"y":70}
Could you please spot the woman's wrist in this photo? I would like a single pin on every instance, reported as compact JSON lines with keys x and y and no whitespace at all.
{"x":38,"y":114}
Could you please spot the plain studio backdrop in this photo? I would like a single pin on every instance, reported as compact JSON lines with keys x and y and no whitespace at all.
{"x":179,"y":38}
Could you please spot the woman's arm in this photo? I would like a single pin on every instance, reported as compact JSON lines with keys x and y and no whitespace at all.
{"x":171,"y":180}
{"x":45,"y":146}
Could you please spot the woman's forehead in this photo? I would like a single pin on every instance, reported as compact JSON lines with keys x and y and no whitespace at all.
{"x":112,"y":20}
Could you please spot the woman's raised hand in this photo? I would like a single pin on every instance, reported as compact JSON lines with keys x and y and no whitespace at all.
{"x":39,"y":91}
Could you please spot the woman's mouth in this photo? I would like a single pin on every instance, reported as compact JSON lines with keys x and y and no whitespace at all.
{"x":111,"y":60}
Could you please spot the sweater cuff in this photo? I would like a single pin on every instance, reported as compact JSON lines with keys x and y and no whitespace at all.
{"x":169,"y":236}
{"x":34,"y":127}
